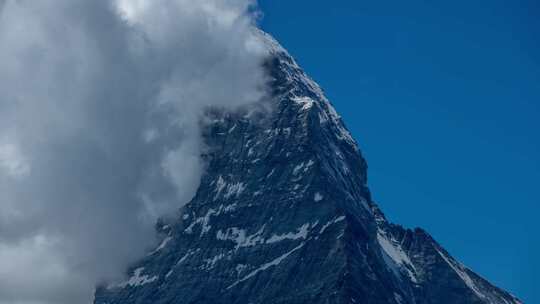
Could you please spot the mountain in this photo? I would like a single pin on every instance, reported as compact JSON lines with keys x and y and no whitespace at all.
{"x":284,"y":215}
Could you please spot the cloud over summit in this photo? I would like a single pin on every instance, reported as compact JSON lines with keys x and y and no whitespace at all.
{"x":100,"y":105}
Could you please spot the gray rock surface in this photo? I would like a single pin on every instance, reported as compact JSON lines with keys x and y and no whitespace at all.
{"x":284,"y":215}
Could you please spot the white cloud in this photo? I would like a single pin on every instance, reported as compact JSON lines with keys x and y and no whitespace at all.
{"x":100,"y":111}
{"x":12,"y":161}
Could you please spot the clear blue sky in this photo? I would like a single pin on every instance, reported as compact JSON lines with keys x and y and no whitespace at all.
{"x":444,"y":100}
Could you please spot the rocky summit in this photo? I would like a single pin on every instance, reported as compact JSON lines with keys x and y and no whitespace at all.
{"x":283,"y":214}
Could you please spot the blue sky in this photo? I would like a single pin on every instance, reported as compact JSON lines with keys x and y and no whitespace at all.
{"x":444,"y":100}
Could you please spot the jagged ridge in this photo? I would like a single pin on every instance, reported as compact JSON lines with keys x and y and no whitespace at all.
{"x":284,"y":215}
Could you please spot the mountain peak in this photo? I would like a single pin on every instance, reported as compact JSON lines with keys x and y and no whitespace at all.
{"x":284,"y":215}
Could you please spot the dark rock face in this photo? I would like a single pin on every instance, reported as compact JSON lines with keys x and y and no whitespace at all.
{"x":284,"y":215}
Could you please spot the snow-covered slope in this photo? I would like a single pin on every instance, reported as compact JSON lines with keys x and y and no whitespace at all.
{"x":284,"y":215}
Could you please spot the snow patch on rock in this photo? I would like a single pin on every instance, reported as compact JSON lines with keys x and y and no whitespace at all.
{"x":265,"y":266}
{"x":240,"y":237}
{"x":395,"y":257}
{"x":138,"y":279}
{"x":459,"y":269}
{"x":334,"y":221}
{"x":301,"y":233}
{"x":162,"y":245}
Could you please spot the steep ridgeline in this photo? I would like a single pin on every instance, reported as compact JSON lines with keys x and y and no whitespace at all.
{"x":284,"y":215}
